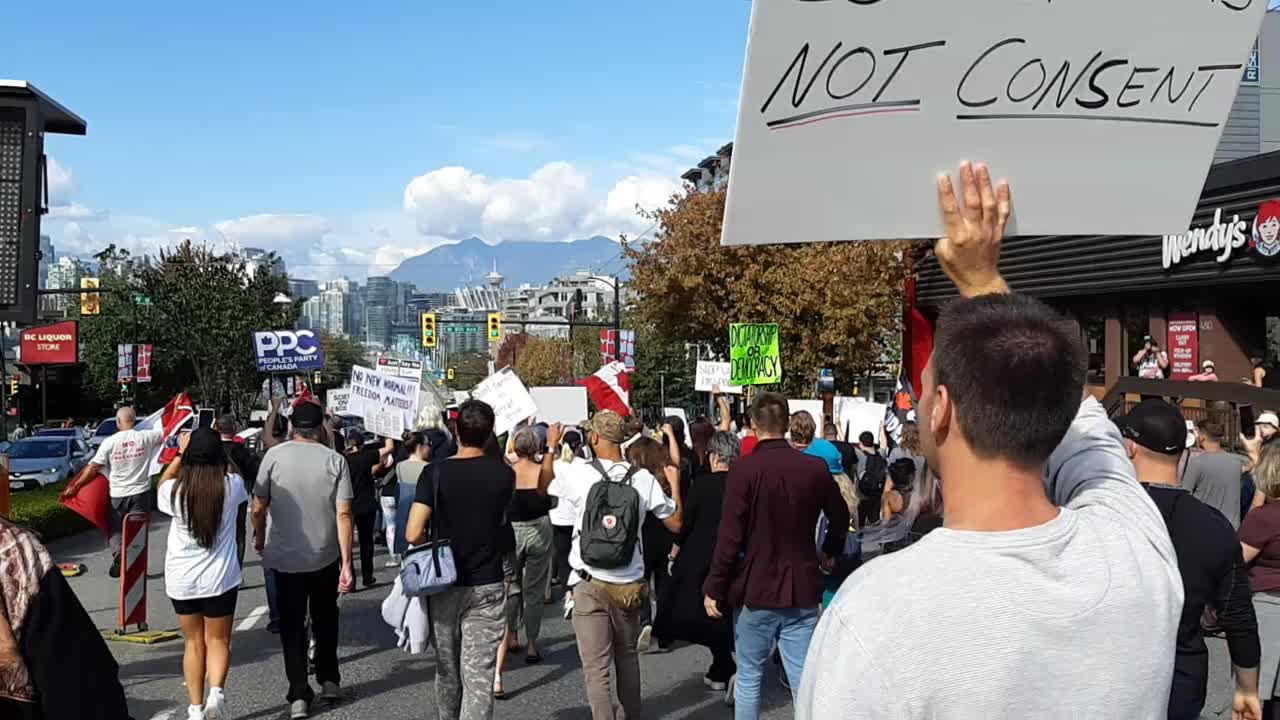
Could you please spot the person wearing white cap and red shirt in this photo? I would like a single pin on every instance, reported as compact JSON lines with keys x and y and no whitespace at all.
{"x":1208,"y":373}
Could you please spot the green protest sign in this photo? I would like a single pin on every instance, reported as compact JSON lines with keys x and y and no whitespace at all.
{"x":754,"y":356}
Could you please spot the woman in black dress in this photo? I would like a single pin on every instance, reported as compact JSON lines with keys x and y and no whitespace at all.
{"x":681,"y":614}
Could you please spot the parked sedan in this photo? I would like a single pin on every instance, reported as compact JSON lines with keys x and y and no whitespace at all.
{"x":106,"y":429}
{"x":39,"y":461}
{"x":75,"y":433}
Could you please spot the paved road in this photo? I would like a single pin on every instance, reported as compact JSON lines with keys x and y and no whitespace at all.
{"x":379,"y":681}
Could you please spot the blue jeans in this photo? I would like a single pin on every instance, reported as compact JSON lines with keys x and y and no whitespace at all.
{"x":757,"y":631}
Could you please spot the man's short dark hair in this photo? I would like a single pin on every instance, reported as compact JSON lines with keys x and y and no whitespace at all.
{"x":475,"y":423}
{"x":1015,"y":372}
{"x":1212,"y":429}
{"x":769,"y":413}
{"x":867,"y":439}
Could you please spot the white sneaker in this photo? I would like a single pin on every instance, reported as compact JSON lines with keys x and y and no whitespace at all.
{"x":329,"y":691}
{"x":645,"y":639}
{"x":299,"y":709}
{"x":215,"y":705}
{"x":393,"y":561}
{"x":195,"y":712}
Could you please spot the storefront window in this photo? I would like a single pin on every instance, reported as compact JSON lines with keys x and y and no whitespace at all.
{"x":1137,"y":328}
{"x":1094,"y":331}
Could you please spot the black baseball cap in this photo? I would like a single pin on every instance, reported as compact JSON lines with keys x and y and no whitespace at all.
{"x":1155,"y":425}
{"x":204,"y":448}
{"x":307,"y":416}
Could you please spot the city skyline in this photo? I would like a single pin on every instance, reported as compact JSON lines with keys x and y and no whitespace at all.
{"x":263,"y":153}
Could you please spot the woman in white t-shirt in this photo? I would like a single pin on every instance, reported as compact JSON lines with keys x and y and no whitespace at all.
{"x":201,"y":567}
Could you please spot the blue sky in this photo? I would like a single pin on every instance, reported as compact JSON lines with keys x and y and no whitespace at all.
{"x":352,"y":137}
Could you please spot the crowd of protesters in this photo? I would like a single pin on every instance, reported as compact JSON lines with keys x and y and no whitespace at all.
{"x":1016,"y":552}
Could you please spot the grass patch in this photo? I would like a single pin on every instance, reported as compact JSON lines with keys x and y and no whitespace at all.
{"x":40,"y":511}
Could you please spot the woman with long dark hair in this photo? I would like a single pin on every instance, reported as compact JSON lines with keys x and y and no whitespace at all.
{"x":663,"y":464}
{"x":201,"y":570}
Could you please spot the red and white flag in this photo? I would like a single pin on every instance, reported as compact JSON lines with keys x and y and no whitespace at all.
{"x":610,"y":388}
{"x":171,"y":418}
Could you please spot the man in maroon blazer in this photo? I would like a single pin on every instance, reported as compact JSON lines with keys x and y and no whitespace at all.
{"x":766,"y":567}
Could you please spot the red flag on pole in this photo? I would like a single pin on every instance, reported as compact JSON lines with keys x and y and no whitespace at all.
{"x":610,"y":388}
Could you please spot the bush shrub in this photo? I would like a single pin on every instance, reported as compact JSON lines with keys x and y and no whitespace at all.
{"x":40,"y":511}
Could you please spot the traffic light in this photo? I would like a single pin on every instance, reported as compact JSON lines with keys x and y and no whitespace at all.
{"x":450,"y":373}
{"x":428,"y":330}
{"x":495,"y":327}
{"x":89,"y":302}
{"x":13,"y":385}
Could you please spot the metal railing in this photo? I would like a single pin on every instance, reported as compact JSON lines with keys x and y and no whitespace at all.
{"x":1218,"y":401}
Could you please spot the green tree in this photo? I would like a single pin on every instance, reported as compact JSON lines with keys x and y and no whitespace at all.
{"x":340,"y":353}
{"x":838,"y":305}
{"x":203,"y":310}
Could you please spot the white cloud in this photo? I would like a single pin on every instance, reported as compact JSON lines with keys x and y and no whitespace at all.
{"x":559,"y":201}
{"x":555,"y":203}
{"x":76,"y":211}
{"x":62,"y":182}
{"x":271,"y":229}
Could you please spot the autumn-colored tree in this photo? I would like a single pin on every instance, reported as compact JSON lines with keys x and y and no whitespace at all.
{"x":543,"y":361}
{"x":468,"y":370}
{"x":838,"y":305}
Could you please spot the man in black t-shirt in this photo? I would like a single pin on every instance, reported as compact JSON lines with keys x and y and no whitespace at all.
{"x":465,"y":498}
{"x":1209,"y":559}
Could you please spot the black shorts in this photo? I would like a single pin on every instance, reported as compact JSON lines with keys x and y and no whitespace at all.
{"x":223,"y":605}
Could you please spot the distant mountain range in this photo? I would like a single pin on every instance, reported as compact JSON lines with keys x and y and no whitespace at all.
{"x":466,"y":263}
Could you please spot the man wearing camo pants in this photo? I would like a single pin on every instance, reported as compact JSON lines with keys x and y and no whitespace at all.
{"x":464,"y":500}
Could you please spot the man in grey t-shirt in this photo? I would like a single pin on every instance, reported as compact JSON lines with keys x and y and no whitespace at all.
{"x":302,"y":528}
{"x":1213,"y":477}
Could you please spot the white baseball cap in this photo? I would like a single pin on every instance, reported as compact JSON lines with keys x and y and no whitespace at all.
{"x":1268,"y":418}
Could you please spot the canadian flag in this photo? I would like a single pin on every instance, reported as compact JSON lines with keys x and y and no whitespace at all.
{"x":610,"y":388}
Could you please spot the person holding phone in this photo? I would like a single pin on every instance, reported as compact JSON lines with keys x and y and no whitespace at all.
{"x":1151,"y":362}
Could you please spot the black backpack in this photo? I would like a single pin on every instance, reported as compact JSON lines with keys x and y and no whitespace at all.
{"x":875,"y":470}
{"x":611,"y":521}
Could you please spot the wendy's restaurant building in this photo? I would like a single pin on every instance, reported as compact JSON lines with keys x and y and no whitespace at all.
{"x":1211,"y":293}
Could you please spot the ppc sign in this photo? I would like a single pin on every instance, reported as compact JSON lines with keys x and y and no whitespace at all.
{"x":287,"y":350}
{"x":1102,"y":115}
{"x":56,"y":344}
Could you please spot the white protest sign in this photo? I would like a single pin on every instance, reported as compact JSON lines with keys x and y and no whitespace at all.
{"x":386,"y":423}
{"x":1102,"y":115}
{"x":373,"y":391}
{"x":511,"y":402}
{"x":814,"y":407}
{"x":338,"y":401}
{"x":567,"y":405}
{"x":710,"y":374}
{"x":679,"y":412}
{"x":857,"y":416}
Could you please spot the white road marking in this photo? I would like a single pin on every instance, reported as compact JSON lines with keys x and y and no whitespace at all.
{"x":252,"y":618}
